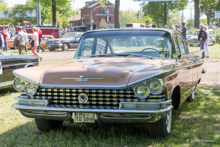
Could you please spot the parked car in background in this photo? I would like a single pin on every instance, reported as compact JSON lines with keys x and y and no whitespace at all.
{"x":109,"y":82}
{"x":193,"y":40}
{"x":9,"y":62}
{"x":43,"y":40}
{"x":69,"y":40}
{"x":78,"y":29}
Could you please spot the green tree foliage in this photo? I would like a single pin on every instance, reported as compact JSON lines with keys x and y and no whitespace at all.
{"x":158,"y":10}
{"x":4,"y":7}
{"x":208,"y":7}
{"x":54,"y":4}
{"x":130,"y":16}
{"x":175,"y":18}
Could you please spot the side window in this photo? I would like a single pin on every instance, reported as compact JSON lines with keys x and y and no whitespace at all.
{"x":100,"y":46}
{"x":177,"y":50}
{"x":181,"y":46}
{"x":87,"y":47}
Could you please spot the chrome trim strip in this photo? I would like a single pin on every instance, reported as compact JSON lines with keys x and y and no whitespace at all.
{"x":161,"y":111}
{"x":20,"y":64}
{"x":17,"y":75}
{"x":32,"y":100}
{"x":82,"y":86}
{"x":6,"y":84}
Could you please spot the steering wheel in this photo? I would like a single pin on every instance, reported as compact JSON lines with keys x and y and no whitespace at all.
{"x":150,"y":49}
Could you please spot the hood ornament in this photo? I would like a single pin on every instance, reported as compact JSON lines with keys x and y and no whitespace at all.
{"x":82,"y":79}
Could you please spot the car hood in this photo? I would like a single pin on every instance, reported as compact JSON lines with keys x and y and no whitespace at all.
{"x":115,"y":72}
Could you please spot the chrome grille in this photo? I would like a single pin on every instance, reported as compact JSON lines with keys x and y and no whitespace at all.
{"x":96,"y":97}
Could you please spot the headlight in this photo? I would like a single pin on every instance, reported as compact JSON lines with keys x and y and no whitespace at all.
{"x":19,"y":84}
{"x":30,"y":88}
{"x":156,"y":86}
{"x":142,"y":91}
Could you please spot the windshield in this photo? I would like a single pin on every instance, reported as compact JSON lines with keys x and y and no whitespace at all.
{"x":126,"y":42}
{"x":69,"y":35}
{"x":78,"y":35}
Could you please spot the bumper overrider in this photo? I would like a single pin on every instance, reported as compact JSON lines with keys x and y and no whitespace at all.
{"x":151,"y":111}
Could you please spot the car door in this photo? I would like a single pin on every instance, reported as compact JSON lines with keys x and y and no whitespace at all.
{"x":185,"y":68}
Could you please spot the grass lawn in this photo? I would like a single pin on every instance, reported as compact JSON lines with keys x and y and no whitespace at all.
{"x":194,"y":124}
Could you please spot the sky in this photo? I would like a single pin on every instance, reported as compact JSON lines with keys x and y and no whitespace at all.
{"x":124,"y":5}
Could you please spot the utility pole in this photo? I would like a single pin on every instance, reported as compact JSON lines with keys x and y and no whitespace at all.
{"x":73,"y":13}
{"x":38,"y":14}
{"x":140,"y":15}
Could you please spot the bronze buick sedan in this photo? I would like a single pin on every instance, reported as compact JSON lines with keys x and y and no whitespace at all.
{"x":119,"y":75}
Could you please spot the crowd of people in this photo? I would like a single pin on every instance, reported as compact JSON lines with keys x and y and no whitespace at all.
{"x":21,"y":40}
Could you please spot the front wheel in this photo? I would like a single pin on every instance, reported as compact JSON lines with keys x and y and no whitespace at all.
{"x":47,"y":125}
{"x":161,"y":128}
{"x":65,"y":47}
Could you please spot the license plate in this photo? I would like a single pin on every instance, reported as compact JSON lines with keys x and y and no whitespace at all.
{"x":84,"y":117}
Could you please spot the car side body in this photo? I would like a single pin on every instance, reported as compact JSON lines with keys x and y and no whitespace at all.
{"x":69,"y":40}
{"x":9,"y":62}
{"x":111,"y":81}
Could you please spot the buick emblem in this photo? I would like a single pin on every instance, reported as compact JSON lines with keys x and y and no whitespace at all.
{"x":83,"y":98}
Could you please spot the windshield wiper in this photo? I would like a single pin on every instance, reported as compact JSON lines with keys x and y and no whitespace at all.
{"x":130,"y":54}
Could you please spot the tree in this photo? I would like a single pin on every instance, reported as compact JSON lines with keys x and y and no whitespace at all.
{"x":54,"y":4}
{"x":116,"y":13}
{"x":208,"y":7}
{"x":197,"y":14}
{"x":159,"y":10}
{"x":4,"y":7}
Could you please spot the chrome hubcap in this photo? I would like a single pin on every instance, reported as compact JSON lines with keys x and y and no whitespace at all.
{"x":193,"y":95}
{"x":168,"y":121}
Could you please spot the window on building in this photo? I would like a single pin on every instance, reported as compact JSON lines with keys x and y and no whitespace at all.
{"x":100,"y":11}
{"x":105,"y":18}
{"x":100,"y":18}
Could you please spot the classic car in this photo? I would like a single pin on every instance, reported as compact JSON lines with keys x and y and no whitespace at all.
{"x":69,"y":40}
{"x":9,"y":62}
{"x":193,"y":40}
{"x":43,"y":40}
{"x":10,"y":42}
{"x":109,"y":82}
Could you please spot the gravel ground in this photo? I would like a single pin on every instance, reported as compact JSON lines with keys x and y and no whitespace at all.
{"x":212,"y":66}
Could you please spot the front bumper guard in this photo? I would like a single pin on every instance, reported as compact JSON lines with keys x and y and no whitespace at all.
{"x":128,"y":111}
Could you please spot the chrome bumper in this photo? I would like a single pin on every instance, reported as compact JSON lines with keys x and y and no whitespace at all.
{"x":127,"y":111}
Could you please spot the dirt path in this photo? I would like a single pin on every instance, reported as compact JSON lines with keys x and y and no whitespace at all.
{"x":212,"y":75}
{"x":211,"y":78}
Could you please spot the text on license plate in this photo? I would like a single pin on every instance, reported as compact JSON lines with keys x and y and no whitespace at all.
{"x":84,"y":117}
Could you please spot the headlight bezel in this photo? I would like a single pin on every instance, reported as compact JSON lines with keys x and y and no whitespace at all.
{"x":161,"y":86}
{"x":147,"y":90}
{"x":24,"y":89}
{"x":21,"y":89}
{"x":34,"y":90}
{"x":147,"y":83}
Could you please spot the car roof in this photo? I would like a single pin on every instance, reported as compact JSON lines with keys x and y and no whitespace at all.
{"x":136,"y":29}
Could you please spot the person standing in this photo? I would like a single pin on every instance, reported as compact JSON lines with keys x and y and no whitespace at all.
{"x":26,"y":48}
{"x":154,"y":26}
{"x":5,"y":40}
{"x":202,"y":38}
{"x":183,"y":30}
{"x":206,"y":52}
{"x":21,"y":40}
{"x":40,"y":34}
{"x":1,"y":42}
{"x":12,"y":31}
{"x":35,"y":40}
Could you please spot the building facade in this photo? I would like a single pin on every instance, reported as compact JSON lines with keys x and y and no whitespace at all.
{"x":101,"y":15}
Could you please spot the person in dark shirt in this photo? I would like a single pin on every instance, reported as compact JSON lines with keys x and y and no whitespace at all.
{"x":202,"y":38}
{"x":154,"y":26}
{"x":183,"y":30}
